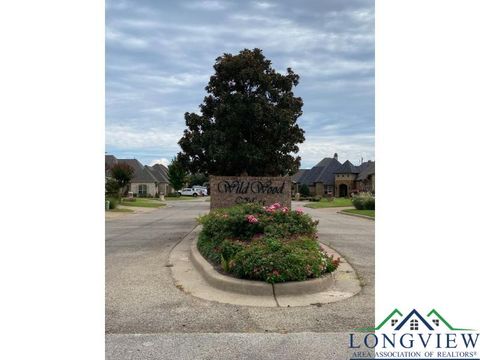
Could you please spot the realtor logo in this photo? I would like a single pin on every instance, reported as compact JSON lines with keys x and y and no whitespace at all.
{"x":414,"y":335}
{"x":396,"y":321}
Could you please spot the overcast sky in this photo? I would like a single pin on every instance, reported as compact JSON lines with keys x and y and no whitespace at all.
{"x":159,"y":58}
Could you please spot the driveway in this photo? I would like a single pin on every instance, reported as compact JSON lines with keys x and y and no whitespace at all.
{"x":147,"y":317}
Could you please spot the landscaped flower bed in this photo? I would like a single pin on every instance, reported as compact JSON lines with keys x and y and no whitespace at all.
{"x":273,"y":244}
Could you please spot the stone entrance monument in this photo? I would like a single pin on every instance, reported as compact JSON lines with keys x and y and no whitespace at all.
{"x":227,"y":191}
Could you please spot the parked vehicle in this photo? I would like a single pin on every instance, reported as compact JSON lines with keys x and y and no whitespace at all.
{"x":190,"y":192}
{"x":203,"y":190}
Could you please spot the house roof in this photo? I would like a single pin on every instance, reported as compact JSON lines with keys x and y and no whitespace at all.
{"x":323,"y":172}
{"x":414,"y":313}
{"x":110,"y":160}
{"x":368,"y":169}
{"x":309,"y":176}
{"x":298,"y":175}
{"x":158,"y":172}
{"x":347,"y":168}
{"x":142,"y":174}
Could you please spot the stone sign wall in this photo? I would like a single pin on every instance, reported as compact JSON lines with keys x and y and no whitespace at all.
{"x":226,"y":191}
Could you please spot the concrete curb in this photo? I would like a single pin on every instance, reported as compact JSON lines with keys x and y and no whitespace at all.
{"x":223,"y":282}
{"x":252,"y":287}
{"x":195,"y":275}
{"x":356,"y":215}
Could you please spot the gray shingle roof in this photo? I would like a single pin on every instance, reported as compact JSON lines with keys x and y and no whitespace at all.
{"x":158,"y":171}
{"x":141,"y":173}
{"x":323,"y":172}
{"x":347,"y":168}
{"x":368,"y":169}
{"x":298,"y":175}
{"x":110,"y":160}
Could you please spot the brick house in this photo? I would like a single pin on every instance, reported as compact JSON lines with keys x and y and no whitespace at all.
{"x":330,"y":177}
{"x":147,"y":180}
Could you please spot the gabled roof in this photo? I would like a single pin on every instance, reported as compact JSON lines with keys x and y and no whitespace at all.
{"x":158,"y":172}
{"x":368,"y":169}
{"x":347,"y":168}
{"x":414,"y":312}
{"x":110,"y":160}
{"x":141,"y":173}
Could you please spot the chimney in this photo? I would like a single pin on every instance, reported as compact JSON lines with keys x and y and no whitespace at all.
{"x":335,"y":156}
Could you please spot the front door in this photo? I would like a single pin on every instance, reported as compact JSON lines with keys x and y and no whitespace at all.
{"x":343,"y":190}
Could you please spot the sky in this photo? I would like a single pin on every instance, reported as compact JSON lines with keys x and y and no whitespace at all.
{"x":160,"y":56}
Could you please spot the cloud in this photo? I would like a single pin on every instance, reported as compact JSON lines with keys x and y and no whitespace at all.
{"x":159,"y":58}
{"x":263,"y":5}
{"x":206,"y":5}
{"x":162,"y":161}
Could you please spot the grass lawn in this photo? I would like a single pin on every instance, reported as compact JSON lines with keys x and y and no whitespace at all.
{"x":143,"y":202}
{"x":121,"y":210}
{"x":369,"y":213}
{"x":324,"y":203}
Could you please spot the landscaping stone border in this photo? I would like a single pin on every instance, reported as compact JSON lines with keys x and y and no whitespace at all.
{"x":195,"y":275}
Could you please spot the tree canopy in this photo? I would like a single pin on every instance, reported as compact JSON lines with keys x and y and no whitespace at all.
{"x":248,"y":121}
{"x":122,"y":173}
{"x":176,"y":174}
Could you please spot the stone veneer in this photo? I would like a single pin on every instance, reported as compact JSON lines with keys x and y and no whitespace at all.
{"x":226,"y":191}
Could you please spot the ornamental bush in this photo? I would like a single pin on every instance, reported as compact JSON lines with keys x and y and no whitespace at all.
{"x":364,"y":202}
{"x":273,"y":244}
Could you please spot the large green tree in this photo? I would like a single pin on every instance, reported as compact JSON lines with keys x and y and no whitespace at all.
{"x":177,"y":174}
{"x":248,"y":121}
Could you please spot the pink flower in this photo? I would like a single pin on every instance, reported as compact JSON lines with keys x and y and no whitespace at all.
{"x":285,"y":209}
{"x":299,"y":210}
{"x":276,"y":206}
{"x":252,"y":219}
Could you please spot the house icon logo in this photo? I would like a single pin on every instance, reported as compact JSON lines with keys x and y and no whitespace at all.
{"x":413,"y":321}
{"x":414,"y":335}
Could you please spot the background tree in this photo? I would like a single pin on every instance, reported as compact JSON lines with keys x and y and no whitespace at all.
{"x":248,"y":121}
{"x":123,"y":175}
{"x":111,"y":187}
{"x":177,"y":174}
{"x":304,"y":190}
{"x":197,"y":179}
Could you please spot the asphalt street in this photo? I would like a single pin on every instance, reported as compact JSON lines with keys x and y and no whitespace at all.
{"x":148,"y":317}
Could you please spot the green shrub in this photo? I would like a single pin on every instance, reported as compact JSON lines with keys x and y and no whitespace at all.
{"x":364,"y":202}
{"x":112,"y":187}
{"x":304,"y":190}
{"x":113,"y":203}
{"x":272,"y":244}
{"x":358,"y":203}
{"x":274,"y":260}
{"x":369,"y":203}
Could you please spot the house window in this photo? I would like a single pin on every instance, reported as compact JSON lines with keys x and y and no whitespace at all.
{"x":436,"y":322}
{"x":394,"y":321}
{"x":142,"y":189}
{"x":414,"y":324}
